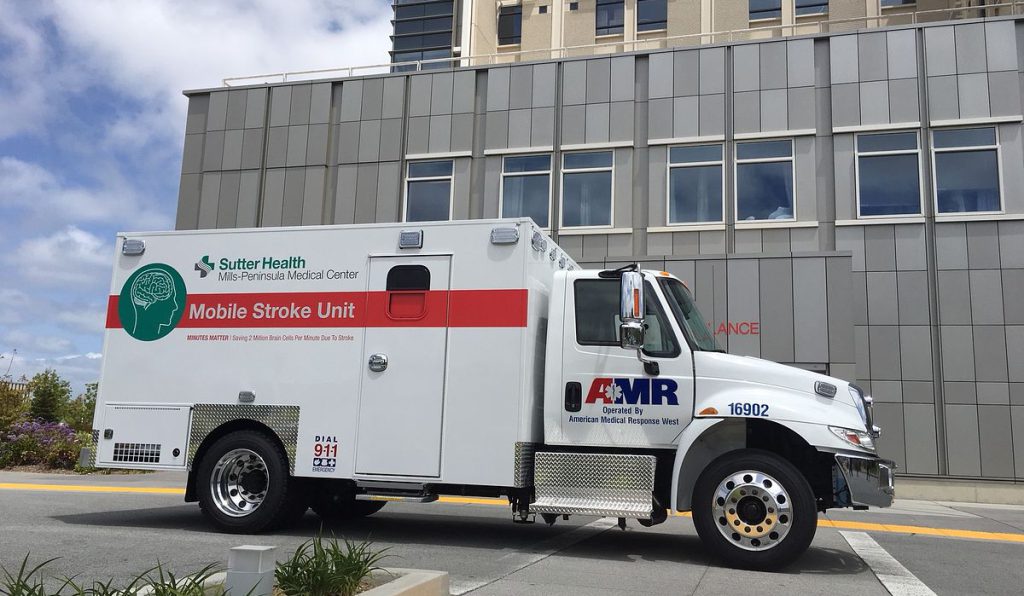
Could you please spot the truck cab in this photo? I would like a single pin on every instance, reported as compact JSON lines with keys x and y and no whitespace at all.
{"x":753,"y":448}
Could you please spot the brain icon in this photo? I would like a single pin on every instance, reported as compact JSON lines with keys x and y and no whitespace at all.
{"x":152,"y":287}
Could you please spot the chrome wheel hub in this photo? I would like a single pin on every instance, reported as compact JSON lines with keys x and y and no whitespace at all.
{"x":239,"y":482}
{"x":752,"y":510}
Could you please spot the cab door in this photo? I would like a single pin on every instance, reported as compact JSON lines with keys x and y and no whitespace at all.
{"x":609,"y":399}
{"x":401,"y":398}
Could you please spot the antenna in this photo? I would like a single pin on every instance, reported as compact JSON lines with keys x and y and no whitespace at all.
{"x":14,"y":353}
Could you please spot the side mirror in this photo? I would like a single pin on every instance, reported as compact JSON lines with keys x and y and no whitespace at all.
{"x":631,"y":311}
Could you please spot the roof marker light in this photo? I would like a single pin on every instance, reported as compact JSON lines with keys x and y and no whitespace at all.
{"x":133,"y":248}
{"x":410,"y":239}
{"x":505,"y":235}
{"x":538,"y":242}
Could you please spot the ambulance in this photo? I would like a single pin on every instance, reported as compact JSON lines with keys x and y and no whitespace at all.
{"x":340,"y":368}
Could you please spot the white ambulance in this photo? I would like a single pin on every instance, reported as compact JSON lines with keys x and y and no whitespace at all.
{"x":342,"y":367}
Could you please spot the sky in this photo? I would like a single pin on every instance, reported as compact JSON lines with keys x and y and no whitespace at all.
{"x":92,"y":123}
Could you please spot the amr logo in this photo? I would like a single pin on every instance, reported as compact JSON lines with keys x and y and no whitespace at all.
{"x":152,"y":302}
{"x":656,"y":391}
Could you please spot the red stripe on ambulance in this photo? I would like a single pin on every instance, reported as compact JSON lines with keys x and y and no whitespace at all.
{"x":451,"y":308}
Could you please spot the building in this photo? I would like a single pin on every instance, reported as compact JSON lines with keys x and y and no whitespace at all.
{"x":848,"y":202}
{"x":467,"y":33}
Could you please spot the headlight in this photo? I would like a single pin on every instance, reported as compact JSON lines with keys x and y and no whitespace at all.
{"x":854,"y":437}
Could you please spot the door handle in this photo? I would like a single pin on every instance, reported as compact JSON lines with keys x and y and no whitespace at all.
{"x":378,"y":362}
{"x":573,"y":397}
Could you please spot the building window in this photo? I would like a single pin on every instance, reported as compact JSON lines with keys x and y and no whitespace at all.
{"x":422,"y":31}
{"x":587,"y":189}
{"x":526,"y":187}
{"x":890,"y":3}
{"x":428,"y":191}
{"x":888,"y":174}
{"x":966,"y":170}
{"x":651,"y":15}
{"x":764,"y":180}
{"x":510,"y":24}
{"x":610,"y":17}
{"x":765,"y":9}
{"x":695,"y":184}
{"x":811,"y":7}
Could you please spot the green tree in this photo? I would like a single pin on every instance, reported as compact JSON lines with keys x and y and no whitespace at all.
{"x":50,"y":395}
{"x":13,"y":405}
{"x":79,"y":411}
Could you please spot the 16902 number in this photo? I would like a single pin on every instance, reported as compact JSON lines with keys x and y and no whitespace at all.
{"x":747,"y":409}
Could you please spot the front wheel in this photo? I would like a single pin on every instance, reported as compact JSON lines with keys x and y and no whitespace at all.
{"x":244,"y":485}
{"x":754,"y":510}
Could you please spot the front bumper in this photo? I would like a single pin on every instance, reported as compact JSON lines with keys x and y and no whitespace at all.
{"x":863,"y":481}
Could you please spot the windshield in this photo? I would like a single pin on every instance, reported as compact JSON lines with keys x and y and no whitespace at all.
{"x":688,"y":316}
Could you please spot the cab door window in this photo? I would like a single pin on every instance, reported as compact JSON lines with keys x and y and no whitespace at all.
{"x":597,"y":318}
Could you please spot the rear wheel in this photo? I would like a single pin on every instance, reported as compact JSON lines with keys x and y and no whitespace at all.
{"x":244,"y":485}
{"x":754,"y":510}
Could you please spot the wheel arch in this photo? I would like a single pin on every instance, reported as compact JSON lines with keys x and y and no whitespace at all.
{"x":713,"y":437}
{"x":219,"y":432}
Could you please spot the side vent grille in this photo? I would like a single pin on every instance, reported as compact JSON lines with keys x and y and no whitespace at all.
{"x":138,"y":453}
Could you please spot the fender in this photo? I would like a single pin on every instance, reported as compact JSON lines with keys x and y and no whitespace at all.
{"x":705,"y":439}
{"x":700,"y":443}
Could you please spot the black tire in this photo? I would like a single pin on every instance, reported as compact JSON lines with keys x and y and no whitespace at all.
{"x":767,"y":545}
{"x":334,"y":508}
{"x":282,"y":501}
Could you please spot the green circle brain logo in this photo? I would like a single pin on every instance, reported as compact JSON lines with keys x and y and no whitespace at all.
{"x":152,"y":302}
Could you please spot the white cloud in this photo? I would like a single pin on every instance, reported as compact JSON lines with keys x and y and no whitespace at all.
{"x":28,"y":341}
{"x":34,"y":190}
{"x":68,"y":256}
{"x":12,"y":304}
{"x":89,"y":320}
{"x":151,"y":51}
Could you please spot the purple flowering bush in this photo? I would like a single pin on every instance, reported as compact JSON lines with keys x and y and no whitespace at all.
{"x":52,"y":444}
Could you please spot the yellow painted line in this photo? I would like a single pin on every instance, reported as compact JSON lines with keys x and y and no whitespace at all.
{"x":923,"y":530}
{"x":822,"y":523}
{"x":84,"y":488}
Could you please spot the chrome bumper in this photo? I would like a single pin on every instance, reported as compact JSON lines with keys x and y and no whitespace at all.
{"x":863,"y":481}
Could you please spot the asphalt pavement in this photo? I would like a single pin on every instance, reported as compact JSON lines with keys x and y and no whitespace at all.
{"x":116,"y":526}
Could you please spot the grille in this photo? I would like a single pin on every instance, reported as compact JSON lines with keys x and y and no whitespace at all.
{"x":139,"y":453}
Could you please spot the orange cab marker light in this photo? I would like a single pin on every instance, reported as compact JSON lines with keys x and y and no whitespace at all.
{"x":664,"y":273}
{"x":708,"y":412}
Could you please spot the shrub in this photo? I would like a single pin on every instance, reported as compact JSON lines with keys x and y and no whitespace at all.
{"x":78,"y":413}
{"x":29,"y":582}
{"x":50,"y":395}
{"x":13,"y":406}
{"x":327,"y":569}
{"x":39,"y":443}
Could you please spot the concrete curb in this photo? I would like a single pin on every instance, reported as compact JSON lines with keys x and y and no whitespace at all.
{"x":411,"y":582}
{"x":404,"y":582}
{"x":961,"y":491}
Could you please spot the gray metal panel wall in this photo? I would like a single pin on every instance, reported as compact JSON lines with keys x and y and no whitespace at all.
{"x":923,"y":312}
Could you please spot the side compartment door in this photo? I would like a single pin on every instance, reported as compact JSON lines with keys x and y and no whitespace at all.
{"x":608,"y":397}
{"x":143,"y":435}
{"x":401,"y":399}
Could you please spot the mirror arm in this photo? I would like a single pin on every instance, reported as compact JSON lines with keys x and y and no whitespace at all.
{"x":650,"y":366}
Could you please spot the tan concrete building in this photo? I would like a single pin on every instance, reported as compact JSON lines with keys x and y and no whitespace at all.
{"x":498,"y":31}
